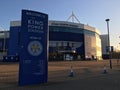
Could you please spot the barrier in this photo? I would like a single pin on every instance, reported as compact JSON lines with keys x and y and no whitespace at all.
{"x":10,"y":58}
{"x":104,"y":69}
{"x":71,"y":72}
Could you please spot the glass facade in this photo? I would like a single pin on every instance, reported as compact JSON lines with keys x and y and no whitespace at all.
{"x":71,"y":30}
{"x":66,"y":41}
{"x":83,"y":42}
{"x":65,"y":29}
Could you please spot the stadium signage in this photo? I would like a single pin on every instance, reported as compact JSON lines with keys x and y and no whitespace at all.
{"x":33,"y":48}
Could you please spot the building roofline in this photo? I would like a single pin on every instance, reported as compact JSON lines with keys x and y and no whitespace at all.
{"x":63,"y":23}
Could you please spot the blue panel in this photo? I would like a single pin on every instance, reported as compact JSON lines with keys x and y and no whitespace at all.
{"x":66,"y":36}
{"x":6,"y":43}
{"x":14,"y":40}
{"x":33,"y":48}
{"x":2,"y":42}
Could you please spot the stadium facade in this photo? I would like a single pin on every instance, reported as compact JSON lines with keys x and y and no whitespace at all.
{"x":74,"y":40}
{"x":67,"y":41}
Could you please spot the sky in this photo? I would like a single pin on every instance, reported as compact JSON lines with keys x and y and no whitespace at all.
{"x":91,"y":12}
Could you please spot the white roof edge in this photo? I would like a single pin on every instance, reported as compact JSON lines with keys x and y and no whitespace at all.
{"x":65,"y":23}
{"x":90,"y":28}
{"x":97,"y":31}
{"x":15,"y":23}
{"x":51,"y":21}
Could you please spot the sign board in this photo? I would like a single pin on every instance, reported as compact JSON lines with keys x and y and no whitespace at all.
{"x":33,"y":68}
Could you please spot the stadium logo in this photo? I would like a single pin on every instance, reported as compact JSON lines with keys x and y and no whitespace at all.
{"x":35,"y":48}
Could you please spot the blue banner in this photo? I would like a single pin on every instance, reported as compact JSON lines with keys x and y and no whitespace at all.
{"x":33,"y":68}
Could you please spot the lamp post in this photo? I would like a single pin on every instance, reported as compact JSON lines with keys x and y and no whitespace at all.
{"x":107,"y":20}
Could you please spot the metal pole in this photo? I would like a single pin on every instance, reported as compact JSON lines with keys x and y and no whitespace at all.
{"x":107,"y":20}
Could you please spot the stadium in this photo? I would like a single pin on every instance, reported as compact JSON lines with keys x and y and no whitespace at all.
{"x":67,"y":41}
{"x":70,"y":40}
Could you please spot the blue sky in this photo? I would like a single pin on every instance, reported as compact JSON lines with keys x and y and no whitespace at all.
{"x":92,"y":12}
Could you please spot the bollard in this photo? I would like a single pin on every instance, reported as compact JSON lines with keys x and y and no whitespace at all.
{"x":105,"y":69}
{"x":71,"y":72}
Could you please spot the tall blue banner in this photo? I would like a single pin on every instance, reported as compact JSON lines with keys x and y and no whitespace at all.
{"x":33,"y":67}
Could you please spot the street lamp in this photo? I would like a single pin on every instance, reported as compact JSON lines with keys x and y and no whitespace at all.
{"x":107,"y":20}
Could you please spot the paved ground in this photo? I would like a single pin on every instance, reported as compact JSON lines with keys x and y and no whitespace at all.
{"x":88,"y":76}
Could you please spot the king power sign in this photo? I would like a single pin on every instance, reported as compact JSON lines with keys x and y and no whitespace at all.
{"x":33,"y":68}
